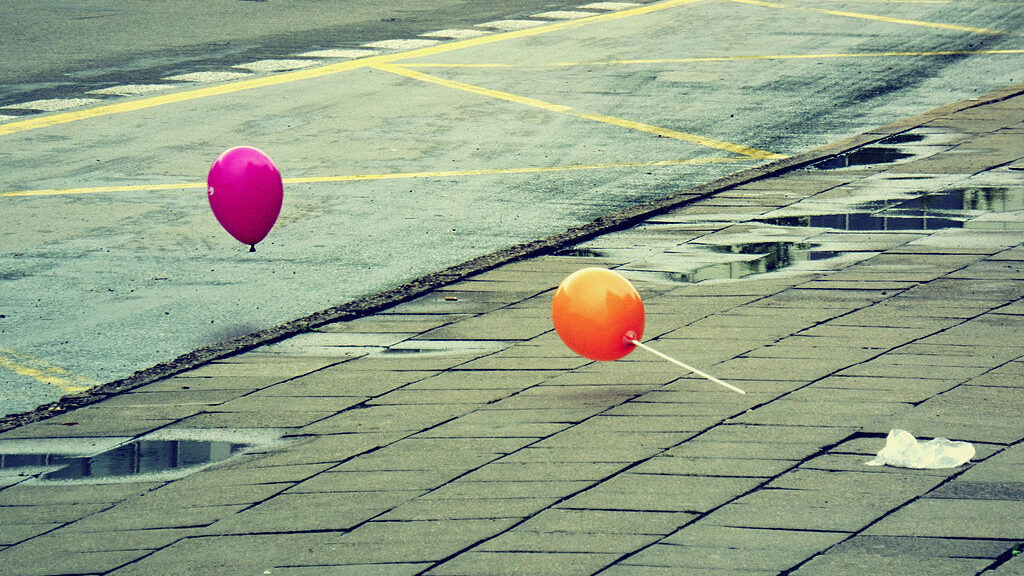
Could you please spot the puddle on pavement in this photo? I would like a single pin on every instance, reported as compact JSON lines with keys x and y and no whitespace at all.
{"x":886,"y":151}
{"x":136,"y":461}
{"x":866,"y":156}
{"x":141,"y":457}
{"x":948,"y":209}
{"x":764,"y":257}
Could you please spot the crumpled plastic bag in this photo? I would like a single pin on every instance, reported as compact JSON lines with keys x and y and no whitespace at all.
{"x":903,"y":450}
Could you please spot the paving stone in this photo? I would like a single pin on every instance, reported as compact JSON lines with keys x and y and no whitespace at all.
{"x":45,"y":563}
{"x":406,"y":541}
{"x":412,"y":396}
{"x":343,"y":480}
{"x":510,"y":470}
{"x":50,"y":513}
{"x":595,"y":521}
{"x":954,"y":518}
{"x":1014,"y":566}
{"x":799,"y":510}
{"x":393,"y":323}
{"x":495,"y":424}
{"x":467,"y":509}
{"x":922,"y":547}
{"x":824,"y":412}
{"x":523,"y":563}
{"x":479,"y":379}
{"x":717,"y":467}
{"x":34,"y":495}
{"x":317,"y":512}
{"x":661,"y":492}
{"x":520,"y":540}
{"x":480,"y":489}
{"x":239,"y":554}
{"x":354,"y":569}
{"x":341,"y":381}
{"x":738,"y":549}
{"x":851,"y":564}
{"x":635,"y":570}
{"x":11,"y":533}
{"x":132,"y":516}
{"x":387,"y":418}
{"x":499,"y":325}
{"x":252,"y":419}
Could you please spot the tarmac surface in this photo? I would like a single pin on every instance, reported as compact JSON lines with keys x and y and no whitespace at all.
{"x":443,"y":429}
{"x":404,"y":156}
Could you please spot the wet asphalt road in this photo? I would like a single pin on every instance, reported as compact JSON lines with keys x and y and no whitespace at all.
{"x":400,"y":167}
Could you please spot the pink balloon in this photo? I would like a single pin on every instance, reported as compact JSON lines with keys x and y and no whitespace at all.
{"x":245,"y":192}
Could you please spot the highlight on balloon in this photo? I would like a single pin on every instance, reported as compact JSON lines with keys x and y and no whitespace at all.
{"x":246,"y":192}
{"x":599,"y":315}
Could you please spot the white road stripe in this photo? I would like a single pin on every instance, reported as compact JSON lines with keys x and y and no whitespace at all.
{"x":456,"y":33}
{"x":211,"y":76}
{"x":563,"y":15}
{"x":338,"y":53}
{"x":131,"y":89}
{"x":402,"y":44}
{"x":6,"y":117}
{"x":511,"y":25}
{"x":275,"y":65}
{"x":609,"y":6}
{"x":52,"y":104}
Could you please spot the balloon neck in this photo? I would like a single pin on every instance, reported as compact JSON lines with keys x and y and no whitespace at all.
{"x":629,"y":337}
{"x":252,"y":247}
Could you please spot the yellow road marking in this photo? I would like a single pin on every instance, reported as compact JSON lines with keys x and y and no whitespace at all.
{"x":874,"y":17}
{"x":392,"y":176}
{"x":101,"y":189}
{"x":44,"y":372}
{"x":317,"y":72}
{"x":568,"y":110}
{"x":708,"y":59}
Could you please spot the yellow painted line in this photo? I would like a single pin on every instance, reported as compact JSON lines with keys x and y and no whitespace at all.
{"x":44,"y":372}
{"x":102,"y":189}
{"x":317,"y":72}
{"x":391,"y":176}
{"x":668,"y":133}
{"x":875,"y":17}
{"x":568,"y":110}
{"x":697,"y":60}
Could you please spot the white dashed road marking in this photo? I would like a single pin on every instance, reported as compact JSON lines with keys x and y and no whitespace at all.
{"x":563,"y":15}
{"x":402,"y":44}
{"x":511,"y":25}
{"x":130,"y":89}
{"x":309,"y":59}
{"x":52,"y":104}
{"x":338,"y":53}
{"x":456,"y":34}
{"x":609,"y":6}
{"x":218,"y":76}
{"x":275,"y":65}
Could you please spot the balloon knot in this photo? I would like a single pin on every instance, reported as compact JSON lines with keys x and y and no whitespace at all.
{"x":252,"y":247}
{"x":629,"y":337}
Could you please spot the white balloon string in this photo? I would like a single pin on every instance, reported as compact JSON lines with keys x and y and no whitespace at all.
{"x":690,"y":368}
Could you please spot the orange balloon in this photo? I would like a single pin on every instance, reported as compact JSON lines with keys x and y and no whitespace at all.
{"x":596,"y":312}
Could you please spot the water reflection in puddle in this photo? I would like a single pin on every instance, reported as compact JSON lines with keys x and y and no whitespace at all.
{"x":760,"y":258}
{"x":866,"y":156}
{"x":159,"y":456}
{"x":141,"y":457}
{"x":692,"y":262}
{"x":948,"y":209}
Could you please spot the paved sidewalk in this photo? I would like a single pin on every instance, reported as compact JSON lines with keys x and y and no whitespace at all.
{"x":877,"y":286}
